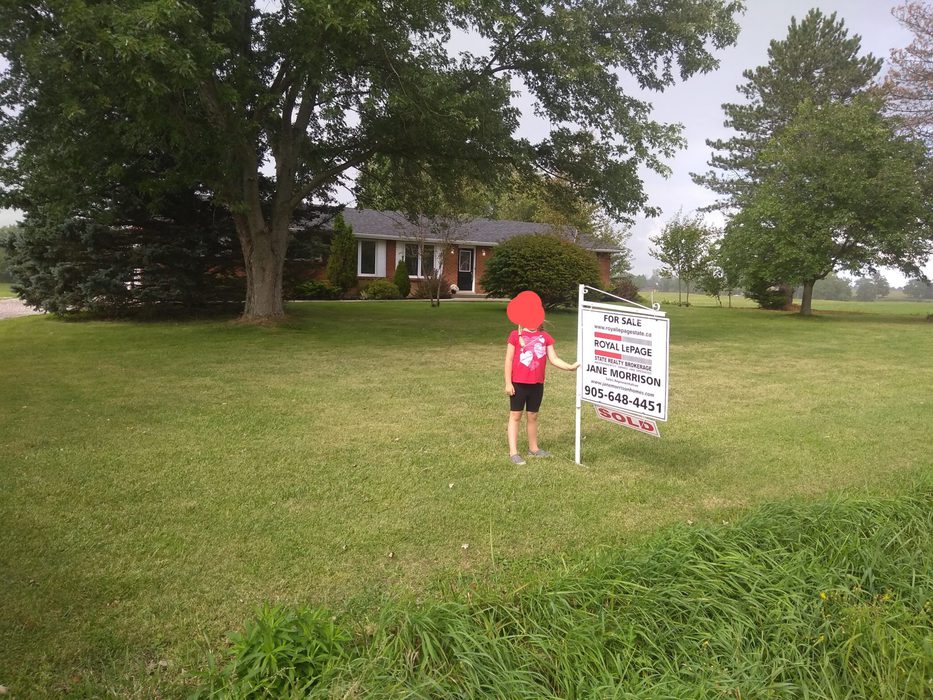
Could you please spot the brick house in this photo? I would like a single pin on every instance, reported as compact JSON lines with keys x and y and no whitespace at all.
{"x":386,"y":239}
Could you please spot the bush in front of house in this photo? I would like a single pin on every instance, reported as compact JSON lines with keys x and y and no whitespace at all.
{"x":317,"y":289}
{"x":547,"y":265}
{"x":400,"y":279}
{"x":380,"y":289}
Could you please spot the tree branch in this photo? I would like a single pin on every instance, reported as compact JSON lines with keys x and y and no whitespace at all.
{"x":324,"y":176}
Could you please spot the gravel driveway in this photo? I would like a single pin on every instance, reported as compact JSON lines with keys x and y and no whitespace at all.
{"x":11,"y":308}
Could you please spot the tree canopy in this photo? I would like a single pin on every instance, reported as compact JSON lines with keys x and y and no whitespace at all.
{"x":311,"y":89}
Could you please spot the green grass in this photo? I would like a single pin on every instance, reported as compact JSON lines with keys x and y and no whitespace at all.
{"x":6,"y":291}
{"x":160,"y":481}
{"x":893,"y":307}
{"x":823,"y":601}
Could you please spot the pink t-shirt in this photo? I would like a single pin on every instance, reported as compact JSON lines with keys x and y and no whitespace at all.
{"x":529,"y":362}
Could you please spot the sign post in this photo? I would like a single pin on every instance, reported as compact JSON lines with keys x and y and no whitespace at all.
{"x":623,"y":356}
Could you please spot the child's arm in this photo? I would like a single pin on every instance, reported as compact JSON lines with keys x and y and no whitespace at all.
{"x":509,"y":356}
{"x":557,"y":362}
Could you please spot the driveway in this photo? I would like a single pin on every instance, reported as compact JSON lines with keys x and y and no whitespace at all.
{"x":11,"y":308}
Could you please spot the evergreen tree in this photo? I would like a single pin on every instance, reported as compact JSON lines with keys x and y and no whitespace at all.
{"x":817,"y":61}
{"x":401,"y":279}
{"x":341,"y":264}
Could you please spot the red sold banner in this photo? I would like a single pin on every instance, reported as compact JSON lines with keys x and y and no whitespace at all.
{"x":643,"y":425}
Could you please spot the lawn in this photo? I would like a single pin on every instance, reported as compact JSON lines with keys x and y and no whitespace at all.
{"x":162,"y":480}
{"x":897,"y":306}
{"x":6,"y":290}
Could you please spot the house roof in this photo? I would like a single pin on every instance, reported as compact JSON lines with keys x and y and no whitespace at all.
{"x":393,"y":225}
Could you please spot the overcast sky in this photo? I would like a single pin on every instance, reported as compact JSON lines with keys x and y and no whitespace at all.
{"x":697,"y":104}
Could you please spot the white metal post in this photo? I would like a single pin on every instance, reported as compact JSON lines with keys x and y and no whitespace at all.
{"x":580,"y":293}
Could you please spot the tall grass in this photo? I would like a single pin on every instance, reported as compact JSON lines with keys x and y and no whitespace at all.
{"x":824,"y":600}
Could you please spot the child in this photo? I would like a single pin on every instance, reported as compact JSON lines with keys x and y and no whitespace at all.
{"x":524,"y":383}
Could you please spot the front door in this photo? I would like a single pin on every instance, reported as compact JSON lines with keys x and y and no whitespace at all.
{"x":465,"y":265}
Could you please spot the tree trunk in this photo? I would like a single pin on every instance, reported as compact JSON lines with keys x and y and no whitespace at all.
{"x":264,"y":259}
{"x":807,"y":298}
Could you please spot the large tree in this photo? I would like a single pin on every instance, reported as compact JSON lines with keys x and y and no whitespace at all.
{"x":842,"y":191}
{"x":311,"y":89}
{"x":816,"y":61}
{"x":908,"y":83}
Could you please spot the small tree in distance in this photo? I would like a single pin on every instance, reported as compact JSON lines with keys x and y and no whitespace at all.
{"x":717,"y":276}
{"x":682,"y":247}
{"x":544,"y":264}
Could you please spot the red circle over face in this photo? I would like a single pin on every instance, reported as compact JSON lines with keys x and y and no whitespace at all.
{"x":526,"y":310}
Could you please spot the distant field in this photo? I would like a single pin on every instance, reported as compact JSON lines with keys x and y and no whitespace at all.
{"x":162,"y":480}
{"x":5,"y":290}
{"x":903,"y":306}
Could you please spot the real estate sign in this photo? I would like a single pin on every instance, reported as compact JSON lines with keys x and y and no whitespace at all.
{"x":623,"y":355}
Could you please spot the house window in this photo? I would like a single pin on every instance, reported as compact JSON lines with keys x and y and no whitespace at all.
{"x":367,"y":258}
{"x":418,"y":265}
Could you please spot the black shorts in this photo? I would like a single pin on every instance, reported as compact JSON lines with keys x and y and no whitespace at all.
{"x":526,"y":397}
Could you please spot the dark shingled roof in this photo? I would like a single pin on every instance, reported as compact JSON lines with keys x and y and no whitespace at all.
{"x":371,"y":223}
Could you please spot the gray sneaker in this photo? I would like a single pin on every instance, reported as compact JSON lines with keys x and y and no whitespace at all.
{"x":540,"y":453}
{"x":517,"y":459}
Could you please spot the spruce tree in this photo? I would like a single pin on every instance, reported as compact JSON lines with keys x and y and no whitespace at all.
{"x":341,"y":265}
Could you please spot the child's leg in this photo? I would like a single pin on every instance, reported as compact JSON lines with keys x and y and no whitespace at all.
{"x":515,"y":419}
{"x":532,"y":427}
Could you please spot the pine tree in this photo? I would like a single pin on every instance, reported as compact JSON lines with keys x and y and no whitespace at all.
{"x":819,"y":61}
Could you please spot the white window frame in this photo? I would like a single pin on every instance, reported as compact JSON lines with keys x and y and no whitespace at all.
{"x":380,"y":265}
{"x":400,"y":255}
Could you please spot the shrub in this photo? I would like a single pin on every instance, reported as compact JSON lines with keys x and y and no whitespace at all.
{"x":341,"y":264}
{"x":767,"y":295}
{"x":317,"y":289}
{"x":283,"y":653}
{"x":626,"y":288}
{"x":544,"y":264}
{"x":380,"y":289}
{"x":428,"y":288}
{"x":400,"y":279}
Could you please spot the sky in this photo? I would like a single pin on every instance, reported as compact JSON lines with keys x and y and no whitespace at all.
{"x":697,"y":105}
